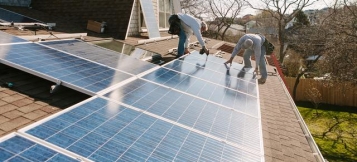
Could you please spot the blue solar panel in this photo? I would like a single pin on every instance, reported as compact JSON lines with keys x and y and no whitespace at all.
{"x":9,"y":16}
{"x":76,"y":72}
{"x":223,"y":79}
{"x":18,"y":148}
{"x":216,"y":64}
{"x":222,"y":93}
{"x":7,"y":38}
{"x":103,"y":56}
{"x":150,"y":18}
{"x":103,"y":130}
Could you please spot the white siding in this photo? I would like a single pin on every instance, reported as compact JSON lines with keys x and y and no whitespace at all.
{"x":134,"y":22}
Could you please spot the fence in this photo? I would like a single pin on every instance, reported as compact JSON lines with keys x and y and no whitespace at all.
{"x":336,"y":94}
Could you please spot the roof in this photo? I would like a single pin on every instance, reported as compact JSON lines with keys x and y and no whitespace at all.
{"x":283,"y":131}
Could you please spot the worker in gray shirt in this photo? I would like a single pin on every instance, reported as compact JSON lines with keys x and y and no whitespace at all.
{"x":252,"y":43}
{"x":190,"y":25}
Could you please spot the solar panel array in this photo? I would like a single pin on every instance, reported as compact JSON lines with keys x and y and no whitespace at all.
{"x":9,"y":16}
{"x":192,"y":109}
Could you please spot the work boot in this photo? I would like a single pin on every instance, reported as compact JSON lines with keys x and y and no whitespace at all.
{"x":262,"y":80}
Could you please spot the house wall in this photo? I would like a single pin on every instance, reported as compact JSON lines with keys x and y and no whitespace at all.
{"x":134,"y":22}
{"x":134,"y":27}
{"x":116,"y":13}
{"x":22,"y":3}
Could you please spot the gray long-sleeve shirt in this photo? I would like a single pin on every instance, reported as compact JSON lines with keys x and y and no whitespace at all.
{"x":258,"y":41}
{"x":191,"y":25}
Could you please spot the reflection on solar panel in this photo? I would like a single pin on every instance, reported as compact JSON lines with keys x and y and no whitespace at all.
{"x":7,"y":38}
{"x":72,"y":71}
{"x":9,"y":16}
{"x":215,"y":64}
{"x":103,"y":56}
{"x":103,"y":130}
{"x":150,"y":19}
{"x":18,"y":148}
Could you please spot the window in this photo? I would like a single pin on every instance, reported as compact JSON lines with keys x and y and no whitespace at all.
{"x":165,"y":10}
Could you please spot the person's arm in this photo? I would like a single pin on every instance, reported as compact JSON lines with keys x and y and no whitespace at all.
{"x":257,"y":52}
{"x":235,"y":51}
{"x":197,"y":33}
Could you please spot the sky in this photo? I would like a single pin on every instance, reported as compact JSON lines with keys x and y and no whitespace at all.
{"x":317,"y":5}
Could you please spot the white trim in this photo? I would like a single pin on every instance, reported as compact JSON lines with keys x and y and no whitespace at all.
{"x":177,"y":6}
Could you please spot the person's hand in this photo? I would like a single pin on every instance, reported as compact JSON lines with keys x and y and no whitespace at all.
{"x":187,"y":51}
{"x":256,"y":70}
{"x":229,"y":61}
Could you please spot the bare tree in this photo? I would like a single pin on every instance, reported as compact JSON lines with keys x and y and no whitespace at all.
{"x":283,"y":11}
{"x":340,"y":59}
{"x":195,"y":8}
{"x":315,"y":97}
{"x":224,"y":12}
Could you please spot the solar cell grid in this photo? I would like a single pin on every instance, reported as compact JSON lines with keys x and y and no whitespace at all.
{"x":216,"y":64}
{"x":106,"y":131}
{"x":18,"y":148}
{"x":103,"y":56}
{"x":86,"y":75}
{"x":193,"y":112}
{"x":206,"y":90}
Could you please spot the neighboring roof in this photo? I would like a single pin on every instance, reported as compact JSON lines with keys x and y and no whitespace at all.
{"x":283,"y":131}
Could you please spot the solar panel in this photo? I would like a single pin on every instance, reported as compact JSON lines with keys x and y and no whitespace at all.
{"x":7,"y":38}
{"x":150,"y":19}
{"x":72,"y":71}
{"x":207,"y":90}
{"x":18,"y":148}
{"x":202,"y":73}
{"x":103,"y":130}
{"x":215,"y":64}
{"x":9,"y":16}
{"x":103,"y":56}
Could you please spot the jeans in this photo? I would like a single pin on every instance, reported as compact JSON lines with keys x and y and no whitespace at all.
{"x":262,"y":64}
{"x":181,"y":44}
